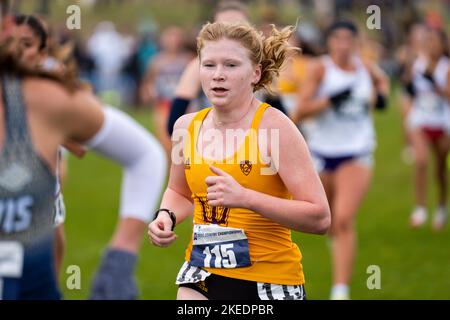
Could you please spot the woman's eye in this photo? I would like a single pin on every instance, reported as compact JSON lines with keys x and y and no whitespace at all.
{"x":26,"y":44}
{"x":231,"y":64}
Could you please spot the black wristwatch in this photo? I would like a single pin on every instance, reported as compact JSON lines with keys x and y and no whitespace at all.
{"x":171,"y":214}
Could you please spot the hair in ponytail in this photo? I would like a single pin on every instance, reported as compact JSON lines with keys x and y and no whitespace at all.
{"x":11,"y":65}
{"x":276,"y":50}
{"x":270,"y":52}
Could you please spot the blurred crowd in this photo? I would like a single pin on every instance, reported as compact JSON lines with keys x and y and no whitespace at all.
{"x":127,"y":65}
{"x":144,"y":63}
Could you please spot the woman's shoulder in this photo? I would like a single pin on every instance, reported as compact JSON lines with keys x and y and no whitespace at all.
{"x":317,"y":65}
{"x":276,"y":127}
{"x":45,"y":85}
{"x":38,"y":91}
{"x":184,"y":121}
{"x":274,"y":119}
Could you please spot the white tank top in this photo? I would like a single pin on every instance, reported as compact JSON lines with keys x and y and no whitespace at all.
{"x":429,"y":108}
{"x":348,"y":131}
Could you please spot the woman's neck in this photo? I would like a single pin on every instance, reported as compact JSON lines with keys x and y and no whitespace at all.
{"x":433,"y":60}
{"x":345,"y":63}
{"x":233,"y":116}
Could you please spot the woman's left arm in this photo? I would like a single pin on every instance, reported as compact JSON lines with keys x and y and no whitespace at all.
{"x":445,"y":92}
{"x":308,"y":211}
{"x":381,"y":85}
{"x":379,"y":78}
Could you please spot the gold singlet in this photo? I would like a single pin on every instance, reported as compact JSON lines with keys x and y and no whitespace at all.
{"x":274,"y":257}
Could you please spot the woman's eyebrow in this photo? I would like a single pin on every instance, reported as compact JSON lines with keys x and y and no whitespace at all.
{"x":232,"y":60}
{"x":25,"y":38}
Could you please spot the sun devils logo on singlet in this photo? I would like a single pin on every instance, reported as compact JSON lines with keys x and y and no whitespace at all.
{"x":246,"y":167}
{"x":215,"y":215}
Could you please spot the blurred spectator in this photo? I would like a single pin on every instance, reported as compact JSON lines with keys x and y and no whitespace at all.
{"x":7,"y":20}
{"x":147,"y":46}
{"x":109,"y":50}
{"x":293,"y":74}
{"x":161,"y":79}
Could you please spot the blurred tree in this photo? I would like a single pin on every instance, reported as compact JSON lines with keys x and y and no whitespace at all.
{"x":207,"y":9}
{"x":43,"y":8}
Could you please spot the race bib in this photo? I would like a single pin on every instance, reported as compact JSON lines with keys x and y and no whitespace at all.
{"x":11,"y":259}
{"x":219,"y":247}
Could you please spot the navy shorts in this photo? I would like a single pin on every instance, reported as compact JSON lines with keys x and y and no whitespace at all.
{"x":38,"y":280}
{"x":331,"y":164}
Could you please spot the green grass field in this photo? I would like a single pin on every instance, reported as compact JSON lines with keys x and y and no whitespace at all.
{"x":415,"y":264}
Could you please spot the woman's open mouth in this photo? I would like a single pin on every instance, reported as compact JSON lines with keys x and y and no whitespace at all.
{"x":219,"y":91}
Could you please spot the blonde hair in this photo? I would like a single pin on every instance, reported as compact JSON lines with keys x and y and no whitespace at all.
{"x":270,"y":52}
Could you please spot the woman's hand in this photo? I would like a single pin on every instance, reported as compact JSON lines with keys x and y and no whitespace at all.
{"x":223,"y":190}
{"x":160,"y":230}
{"x":75,"y":148}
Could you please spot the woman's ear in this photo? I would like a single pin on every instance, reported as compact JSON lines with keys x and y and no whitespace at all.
{"x":257,"y":74}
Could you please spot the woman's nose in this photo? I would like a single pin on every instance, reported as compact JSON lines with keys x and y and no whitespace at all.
{"x":219,"y":74}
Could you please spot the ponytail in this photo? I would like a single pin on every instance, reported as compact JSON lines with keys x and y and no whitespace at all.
{"x":276,"y":50}
{"x":11,"y":65}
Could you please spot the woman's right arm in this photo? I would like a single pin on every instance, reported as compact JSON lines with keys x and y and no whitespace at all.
{"x":187,"y":90}
{"x":308,"y":103}
{"x":189,"y":85}
{"x":177,"y":197}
